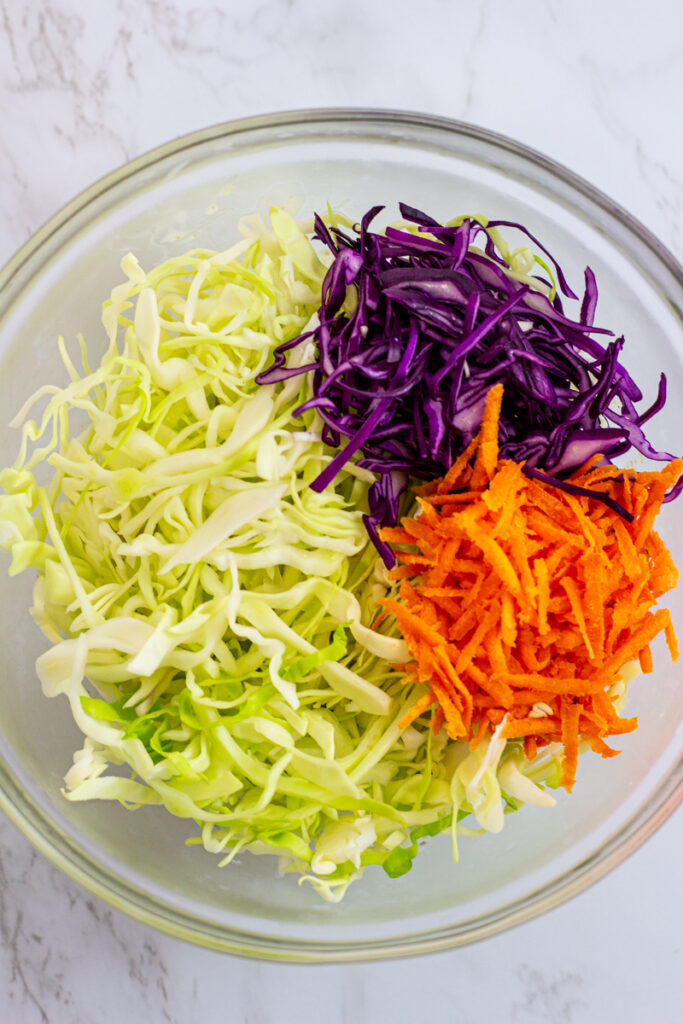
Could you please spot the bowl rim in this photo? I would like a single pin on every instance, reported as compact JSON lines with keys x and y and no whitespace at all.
{"x":60,"y":850}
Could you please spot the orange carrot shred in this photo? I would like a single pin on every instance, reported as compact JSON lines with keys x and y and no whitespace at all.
{"x":379,"y":619}
{"x":518,"y":599}
{"x":437,"y":720}
{"x":508,"y":625}
{"x":530,"y":747}
{"x":480,"y":732}
{"x":421,"y":705}
{"x":671,"y":637}
{"x":574,"y":596}
{"x":600,"y":747}
{"x":571,"y":712}
{"x":645,"y":659}
{"x":456,"y":469}
{"x":517,"y":727}
{"x":487,"y":441}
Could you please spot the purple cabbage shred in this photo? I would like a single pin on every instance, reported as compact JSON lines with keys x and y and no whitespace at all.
{"x":402,"y":378}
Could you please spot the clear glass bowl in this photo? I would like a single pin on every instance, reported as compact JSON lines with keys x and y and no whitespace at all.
{"x":192,"y":192}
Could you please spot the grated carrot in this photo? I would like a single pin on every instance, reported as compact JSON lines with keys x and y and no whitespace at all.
{"x":645,"y":658}
{"x":570,"y":709}
{"x":422,"y":704}
{"x":530,"y":747}
{"x":516,"y":593}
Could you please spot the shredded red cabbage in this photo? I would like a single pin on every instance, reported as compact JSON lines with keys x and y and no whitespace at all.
{"x":404,"y":377}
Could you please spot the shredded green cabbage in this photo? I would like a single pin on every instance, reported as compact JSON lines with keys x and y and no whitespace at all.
{"x":209,"y":614}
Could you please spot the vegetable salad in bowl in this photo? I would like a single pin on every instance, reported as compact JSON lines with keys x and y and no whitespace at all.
{"x":342,"y":559}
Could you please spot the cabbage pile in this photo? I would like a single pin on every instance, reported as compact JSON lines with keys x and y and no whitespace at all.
{"x":210,"y":615}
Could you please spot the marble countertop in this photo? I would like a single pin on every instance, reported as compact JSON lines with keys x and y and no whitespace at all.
{"x":84,"y":88}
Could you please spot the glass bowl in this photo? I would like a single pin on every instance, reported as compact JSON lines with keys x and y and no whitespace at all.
{"x":192,"y":192}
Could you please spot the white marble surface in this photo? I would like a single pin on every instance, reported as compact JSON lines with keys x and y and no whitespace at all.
{"x":596,"y":85}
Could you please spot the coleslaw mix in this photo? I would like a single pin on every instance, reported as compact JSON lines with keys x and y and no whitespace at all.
{"x":211,"y":616}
